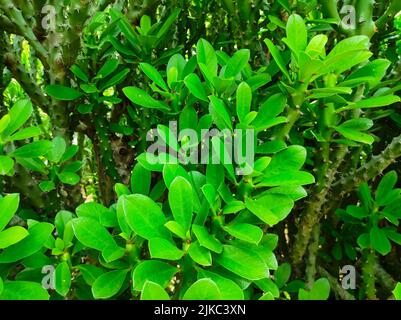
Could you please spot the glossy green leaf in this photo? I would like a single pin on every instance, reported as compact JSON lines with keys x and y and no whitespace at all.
{"x":62,"y":279}
{"x":219,"y":113}
{"x":108,"y":284}
{"x":194,"y":85}
{"x":245,"y":263}
{"x":63,"y":93}
{"x":207,"y":240}
{"x":236,"y":63}
{"x":92,"y":234}
{"x":8,"y":207}
{"x":17,"y":116}
{"x":12,"y":235}
{"x":244,"y":100}
{"x":154,"y":75}
{"x":145,"y":217}
{"x":38,"y":235}
{"x":153,"y":291}
{"x":379,"y":241}
{"x":160,"y":248}
{"x":200,"y":254}
{"x":6,"y":165}
{"x":31,"y":150}
{"x":154,"y":271}
{"x":203,"y":289}
{"x":23,"y":290}
{"x":207,"y":56}
{"x":143,"y":99}
{"x":181,"y":208}
{"x":246,"y":232}
{"x":296,"y":33}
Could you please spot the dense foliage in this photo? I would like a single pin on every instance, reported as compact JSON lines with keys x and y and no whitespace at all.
{"x":87,"y":212}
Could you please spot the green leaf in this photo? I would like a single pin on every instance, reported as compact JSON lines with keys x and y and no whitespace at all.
{"x":278,"y":58}
{"x":206,"y":55}
{"x":108,"y":284}
{"x":32,"y":150}
{"x":153,"y":291}
{"x":290,"y":178}
{"x":282,"y":274}
{"x":118,"y":78}
{"x":246,"y":232}
{"x":18,"y":115}
{"x":4,"y":122}
{"x":219,"y":113}
{"x":92,"y":234}
{"x":229,"y":290}
{"x":379,"y":241}
{"x":175,"y":68}
{"x":160,"y":248}
{"x":320,"y":290}
{"x":372,"y":72}
{"x":70,"y":178}
{"x":237,"y":63}
{"x":6,"y":165}
{"x":180,"y":200}
{"x":154,"y":75}
{"x":62,"y":279}
{"x":200,"y":254}
{"x":355,"y":135}
{"x":23,"y":290}
{"x":167,"y":23}
{"x":38,"y":235}
{"x":245,"y":263}
{"x":397,"y":291}
{"x":206,"y":240}
{"x":194,"y":85}
{"x":70,"y":153}
{"x":77,"y":71}
{"x":57,"y":150}
{"x":143,"y":99}
{"x":140,"y":180}
{"x":244,"y":100}
{"x":90,"y":273}
{"x":176,"y":228}
{"x":259,"y":209}
{"x":385,"y":187}
{"x":108,"y":68}
{"x":25,"y":133}
{"x":203,"y":289}
{"x":62,"y":93}
{"x":296,"y":33}
{"x":12,"y":235}
{"x":154,"y":271}
{"x":316,"y":47}
{"x":145,"y":217}
{"x":8,"y":207}
{"x":363,"y":240}
{"x":373,"y":102}
{"x":97,"y":212}
{"x":271,"y":108}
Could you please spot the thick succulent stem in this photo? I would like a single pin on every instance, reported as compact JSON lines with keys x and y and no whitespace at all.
{"x":311,"y":261}
{"x":368,"y":273}
{"x":314,"y":212}
{"x":385,"y":279}
{"x":371,"y":169}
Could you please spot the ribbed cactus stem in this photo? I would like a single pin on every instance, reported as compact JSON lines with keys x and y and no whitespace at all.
{"x":371,"y":169}
{"x":368,"y":273}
